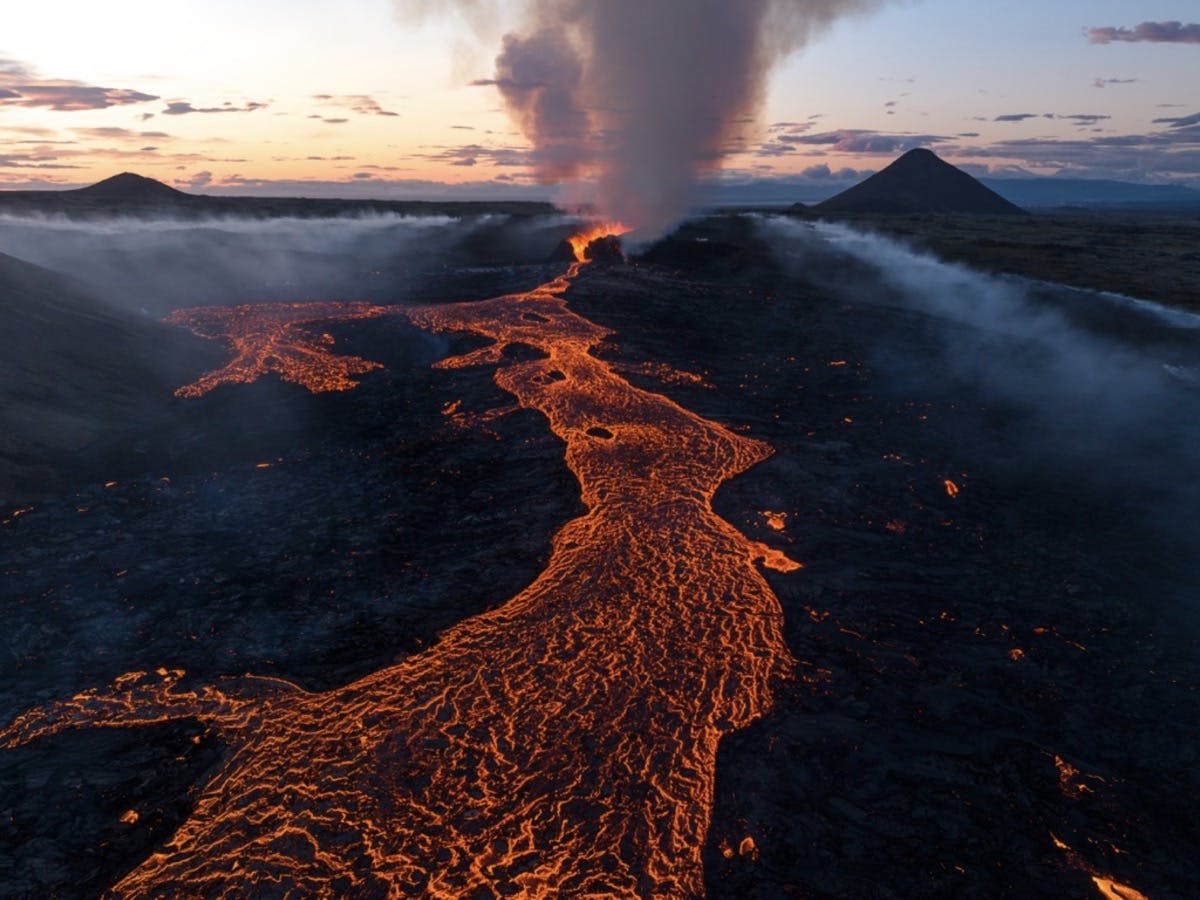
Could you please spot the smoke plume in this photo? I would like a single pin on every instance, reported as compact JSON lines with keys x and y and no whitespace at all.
{"x":645,"y":97}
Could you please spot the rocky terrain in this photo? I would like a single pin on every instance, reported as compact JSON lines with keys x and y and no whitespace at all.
{"x":1152,"y":256}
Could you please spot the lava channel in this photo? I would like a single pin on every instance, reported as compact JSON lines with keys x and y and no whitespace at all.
{"x":563,"y":744}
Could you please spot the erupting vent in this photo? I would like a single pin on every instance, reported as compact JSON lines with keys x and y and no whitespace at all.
{"x":581,"y":241}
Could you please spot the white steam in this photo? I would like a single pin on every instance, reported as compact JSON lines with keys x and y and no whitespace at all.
{"x":160,"y":264}
{"x":1107,"y":387}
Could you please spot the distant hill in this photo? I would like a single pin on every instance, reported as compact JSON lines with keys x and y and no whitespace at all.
{"x":128,"y":186}
{"x":919,"y":182}
{"x":1093,"y":192}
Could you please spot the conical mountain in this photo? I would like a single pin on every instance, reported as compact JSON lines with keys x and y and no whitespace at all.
{"x":920,"y":182}
{"x":128,"y":186}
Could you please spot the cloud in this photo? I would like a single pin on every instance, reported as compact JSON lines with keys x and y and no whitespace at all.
{"x":472,"y":154}
{"x":373,"y":187}
{"x":73,"y":155}
{"x":197,"y":181}
{"x":849,"y":141}
{"x":1149,"y":32}
{"x":184,"y":108}
{"x":21,"y":87}
{"x":1080,"y":119}
{"x":1083,"y":119}
{"x":1181,"y":121}
{"x":1168,"y":155}
{"x":363,"y":104}
{"x":1105,"y":82}
{"x":29,"y":129}
{"x":41,"y":157}
{"x":122,"y":134}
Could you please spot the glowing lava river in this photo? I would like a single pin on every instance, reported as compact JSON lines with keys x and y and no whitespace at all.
{"x":563,"y":744}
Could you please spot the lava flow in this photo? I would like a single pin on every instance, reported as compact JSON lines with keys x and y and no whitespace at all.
{"x":563,"y":744}
{"x":280,"y":338}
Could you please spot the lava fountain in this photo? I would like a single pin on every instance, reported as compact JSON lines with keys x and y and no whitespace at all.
{"x":562,"y":744}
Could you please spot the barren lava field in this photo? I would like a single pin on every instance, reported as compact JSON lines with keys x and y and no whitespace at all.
{"x":719,"y":571}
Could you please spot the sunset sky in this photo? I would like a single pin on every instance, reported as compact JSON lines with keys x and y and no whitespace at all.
{"x":353,"y":99}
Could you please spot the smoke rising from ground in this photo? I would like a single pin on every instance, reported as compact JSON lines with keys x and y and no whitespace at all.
{"x":644,"y":98}
{"x":157,"y":265}
{"x":1095,"y":386}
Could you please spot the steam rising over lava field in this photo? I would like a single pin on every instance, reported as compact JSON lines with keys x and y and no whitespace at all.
{"x":778,"y":560}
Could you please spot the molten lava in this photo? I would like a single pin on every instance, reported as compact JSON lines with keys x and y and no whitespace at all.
{"x":1111,"y":890}
{"x":281,"y":338}
{"x":563,"y":744}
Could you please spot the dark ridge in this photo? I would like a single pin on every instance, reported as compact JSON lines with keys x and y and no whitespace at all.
{"x":74,"y":371}
{"x":128,"y":186}
{"x":562,"y":253}
{"x":920,"y":182}
{"x":605,"y":250}
{"x":125,"y":191}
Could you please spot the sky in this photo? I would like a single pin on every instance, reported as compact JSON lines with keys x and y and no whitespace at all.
{"x":315,"y":98}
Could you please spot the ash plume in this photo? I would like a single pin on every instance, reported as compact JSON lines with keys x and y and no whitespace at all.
{"x":644,"y":98}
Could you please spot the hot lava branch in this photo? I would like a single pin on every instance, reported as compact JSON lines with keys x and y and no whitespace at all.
{"x":563,"y":744}
{"x":279,"y":338}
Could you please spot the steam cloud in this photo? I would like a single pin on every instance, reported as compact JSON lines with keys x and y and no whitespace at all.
{"x":1107,"y":387}
{"x":644,"y":97}
{"x":158,"y":265}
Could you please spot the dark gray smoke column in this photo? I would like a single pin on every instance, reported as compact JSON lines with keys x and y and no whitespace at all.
{"x":645,"y":96}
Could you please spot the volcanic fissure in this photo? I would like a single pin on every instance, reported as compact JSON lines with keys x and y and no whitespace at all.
{"x":564,"y":743}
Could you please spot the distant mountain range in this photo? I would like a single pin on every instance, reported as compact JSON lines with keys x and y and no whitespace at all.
{"x":918,"y":181}
{"x":1034,"y":192}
